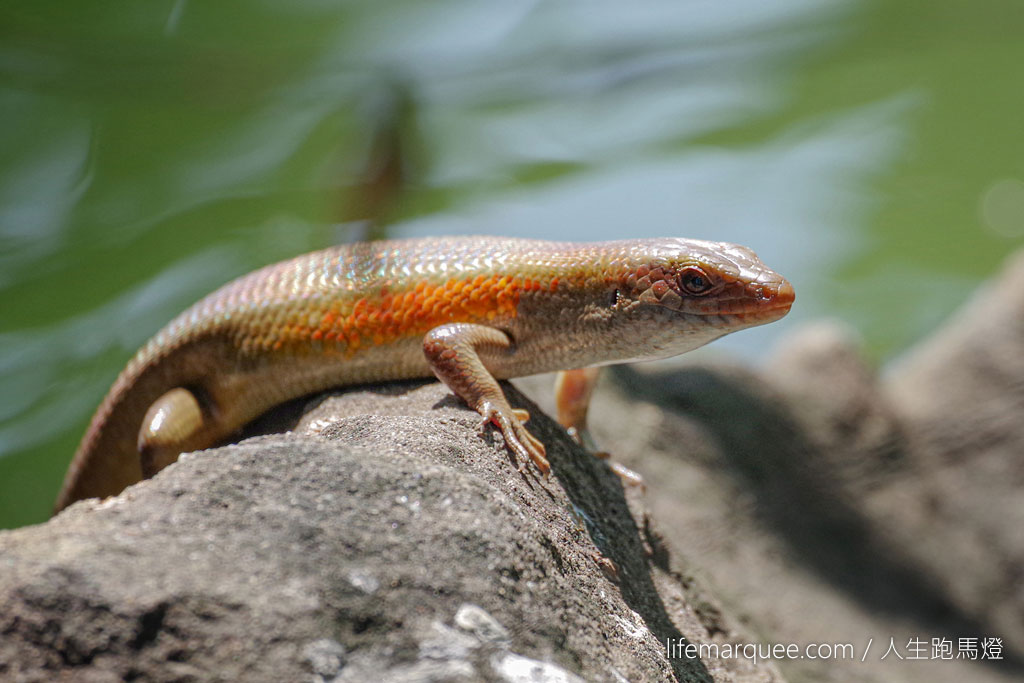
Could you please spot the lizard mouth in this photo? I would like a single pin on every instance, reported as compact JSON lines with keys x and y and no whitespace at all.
{"x":767,"y":302}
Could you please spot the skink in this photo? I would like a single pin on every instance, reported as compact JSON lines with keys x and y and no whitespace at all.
{"x":470,"y":310}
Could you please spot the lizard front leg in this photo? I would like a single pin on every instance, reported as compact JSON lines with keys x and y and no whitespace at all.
{"x":573,"y":389}
{"x":458,"y":354}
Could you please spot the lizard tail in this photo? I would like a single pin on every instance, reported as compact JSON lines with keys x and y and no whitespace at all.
{"x":107,"y":460}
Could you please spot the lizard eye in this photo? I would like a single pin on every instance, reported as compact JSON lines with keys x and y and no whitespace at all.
{"x":694,"y":281}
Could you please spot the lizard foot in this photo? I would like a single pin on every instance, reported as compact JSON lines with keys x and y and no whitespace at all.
{"x":629,"y":477}
{"x":518,"y":438}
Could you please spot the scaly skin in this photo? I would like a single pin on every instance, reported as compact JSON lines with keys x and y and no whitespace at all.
{"x":468,"y":309}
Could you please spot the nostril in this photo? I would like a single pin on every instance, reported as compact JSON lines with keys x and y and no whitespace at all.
{"x":784,"y":294}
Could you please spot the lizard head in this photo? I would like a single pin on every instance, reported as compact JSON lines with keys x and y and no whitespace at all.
{"x":690,"y":292}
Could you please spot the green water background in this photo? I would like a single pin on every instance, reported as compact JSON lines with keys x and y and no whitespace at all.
{"x":872,"y":151}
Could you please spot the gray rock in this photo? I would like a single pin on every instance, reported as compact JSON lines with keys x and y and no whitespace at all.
{"x":385,"y":538}
{"x":388,"y":538}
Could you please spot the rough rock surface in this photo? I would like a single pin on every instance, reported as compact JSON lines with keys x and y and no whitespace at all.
{"x":813,"y":502}
{"x":386,"y":538}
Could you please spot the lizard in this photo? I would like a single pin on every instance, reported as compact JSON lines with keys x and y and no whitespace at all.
{"x":468,"y":310}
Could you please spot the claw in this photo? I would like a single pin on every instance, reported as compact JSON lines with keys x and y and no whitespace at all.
{"x":629,"y":477}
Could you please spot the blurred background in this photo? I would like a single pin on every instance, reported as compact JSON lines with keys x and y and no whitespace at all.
{"x":870,"y":150}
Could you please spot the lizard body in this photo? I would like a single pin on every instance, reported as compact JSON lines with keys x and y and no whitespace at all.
{"x":469,"y":310}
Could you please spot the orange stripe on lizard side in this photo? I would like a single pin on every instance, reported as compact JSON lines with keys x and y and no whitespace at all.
{"x":382,"y":320}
